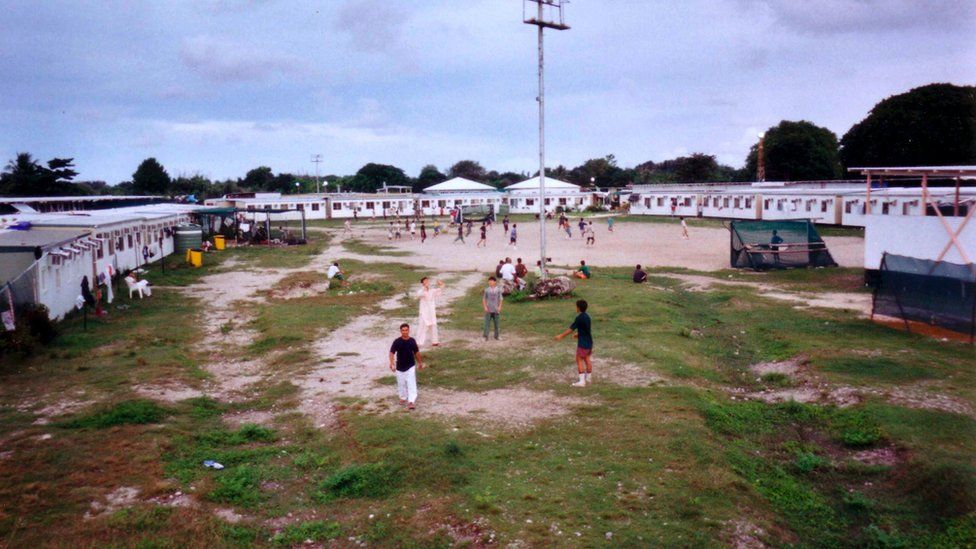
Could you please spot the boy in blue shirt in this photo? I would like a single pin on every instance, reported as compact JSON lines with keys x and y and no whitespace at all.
{"x":584,"y":343}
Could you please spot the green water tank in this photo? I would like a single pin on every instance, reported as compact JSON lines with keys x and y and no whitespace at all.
{"x":186,"y":237}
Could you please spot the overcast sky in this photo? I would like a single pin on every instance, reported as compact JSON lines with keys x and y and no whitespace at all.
{"x":218,"y":87}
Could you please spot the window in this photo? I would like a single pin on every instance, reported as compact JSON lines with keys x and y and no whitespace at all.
{"x":767,"y":204}
{"x":823,"y":205}
{"x":111,"y":247}
{"x":315,"y":207}
{"x":847,"y":207}
{"x":386,"y":205}
{"x":129,"y":240}
{"x":906,"y":208}
{"x":660,"y":201}
{"x":530,"y":202}
{"x":687,"y":201}
{"x":548,"y":201}
{"x":748,"y":203}
{"x":562,"y":202}
{"x":100,"y":250}
{"x":647,"y":202}
{"x":425,"y":203}
{"x":725,"y":202}
{"x":370,"y":205}
{"x":441,"y":203}
{"x":336,"y":206}
{"x":250,"y":207}
{"x":138,"y":238}
{"x":884,"y":208}
{"x":736,"y":202}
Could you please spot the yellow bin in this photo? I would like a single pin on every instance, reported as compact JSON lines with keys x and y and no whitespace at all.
{"x":219,"y":242}
{"x":194,"y":257}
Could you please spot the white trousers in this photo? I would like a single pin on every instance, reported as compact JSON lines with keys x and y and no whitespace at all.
{"x":407,"y":384}
{"x":422,"y":332}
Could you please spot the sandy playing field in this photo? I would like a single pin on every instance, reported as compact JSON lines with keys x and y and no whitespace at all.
{"x":650,"y":244}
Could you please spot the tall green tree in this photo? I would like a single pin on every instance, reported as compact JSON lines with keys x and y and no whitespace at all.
{"x":798,"y":151}
{"x":468,"y":169}
{"x":429,"y":175}
{"x":151,"y":178}
{"x":372,"y":177}
{"x":25,"y":176}
{"x":933,"y":125}
{"x":259,"y":179}
{"x":602,"y":172}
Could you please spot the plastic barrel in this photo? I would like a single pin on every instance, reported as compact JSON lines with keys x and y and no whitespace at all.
{"x":219,"y":242}
{"x":187,"y":237}
{"x":195,"y":257}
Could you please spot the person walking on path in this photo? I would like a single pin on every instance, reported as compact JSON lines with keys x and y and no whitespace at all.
{"x":397,"y":234}
{"x":467,"y":227}
{"x":437,"y":228}
{"x":347,"y":230}
{"x":590,"y":235}
{"x":389,"y":231}
{"x":610,"y":224}
{"x":428,"y":311}
{"x":405,"y":360}
{"x":580,"y":328}
{"x":413,"y":229}
{"x":491,"y":302}
{"x":684,"y":229}
{"x":513,"y":237}
{"x":505,"y":222}
{"x":582,"y":227}
{"x":484,"y":237}
{"x":460,"y":235}
{"x":423,"y":232}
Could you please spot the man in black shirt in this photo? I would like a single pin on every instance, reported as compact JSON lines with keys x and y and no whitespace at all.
{"x":405,"y":361}
{"x":639,"y":275}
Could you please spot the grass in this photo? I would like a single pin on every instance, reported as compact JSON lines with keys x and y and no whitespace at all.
{"x":359,"y":247}
{"x":656,"y":464}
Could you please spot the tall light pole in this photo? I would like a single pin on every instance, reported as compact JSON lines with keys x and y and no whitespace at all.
{"x":761,"y":158}
{"x":552,"y":19}
{"x":317,"y":159}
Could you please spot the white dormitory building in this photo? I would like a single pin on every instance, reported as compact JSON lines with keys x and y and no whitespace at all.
{"x":46,"y":257}
{"x":525,"y":196}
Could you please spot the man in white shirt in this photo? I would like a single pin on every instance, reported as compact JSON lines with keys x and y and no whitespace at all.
{"x":508,"y":270}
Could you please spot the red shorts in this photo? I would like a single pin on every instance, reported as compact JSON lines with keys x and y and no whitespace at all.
{"x":583,"y":353}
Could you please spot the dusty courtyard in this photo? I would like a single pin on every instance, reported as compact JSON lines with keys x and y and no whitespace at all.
{"x":630,"y":243}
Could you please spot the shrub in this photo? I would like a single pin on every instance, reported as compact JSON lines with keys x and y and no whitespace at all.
{"x":372,"y":480}
{"x":806,"y":462}
{"x":948,"y":489}
{"x":238,"y":486}
{"x":33,"y":327}
{"x":298,"y":534}
{"x":130,"y":412}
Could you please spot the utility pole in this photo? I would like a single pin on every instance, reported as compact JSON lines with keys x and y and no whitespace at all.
{"x":548,"y":14}
{"x":761,"y":159}
{"x":317,"y":159}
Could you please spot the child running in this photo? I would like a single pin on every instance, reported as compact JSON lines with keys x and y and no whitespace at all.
{"x":413,"y":229}
{"x":590,"y":235}
{"x":460,"y":235}
{"x":584,"y":344}
{"x":405,"y":360}
{"x":389,"y":231}
{"x":423,"y":232}
{"x":484,"y":237}
{"x":610,"y":224}
{"x":513,"y":237}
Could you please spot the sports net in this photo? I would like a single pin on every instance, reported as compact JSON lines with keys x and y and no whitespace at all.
{"x":937,"y":293}
{"x":791,"y":244}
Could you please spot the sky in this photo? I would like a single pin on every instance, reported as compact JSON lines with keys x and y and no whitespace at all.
{"x":217,"y":87}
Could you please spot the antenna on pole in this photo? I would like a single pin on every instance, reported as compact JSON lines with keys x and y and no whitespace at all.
{"x":543,"y":14}
{"x":317,"y":159}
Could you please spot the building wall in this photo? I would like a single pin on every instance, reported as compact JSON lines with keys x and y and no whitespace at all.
{"x":922,"y":237}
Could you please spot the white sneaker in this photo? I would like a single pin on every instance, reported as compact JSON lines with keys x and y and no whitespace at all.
{"x":589,"y":380}
{"x":579,"y":384}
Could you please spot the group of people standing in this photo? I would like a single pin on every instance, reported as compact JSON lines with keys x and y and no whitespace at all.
{"x":405,"y":356}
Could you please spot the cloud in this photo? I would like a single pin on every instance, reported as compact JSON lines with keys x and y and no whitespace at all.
{"x":373,"y":25}
{"x":227,"y":61}
{"x":842,"y":16}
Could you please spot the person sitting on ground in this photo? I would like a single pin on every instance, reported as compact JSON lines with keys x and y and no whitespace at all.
{"x":639,"y":275}
{"x":520,"y":269}
{"x":335,"y":272}
{"x":498,"y":268}
{"x":582,"y":271}
{"x":507,"y":270}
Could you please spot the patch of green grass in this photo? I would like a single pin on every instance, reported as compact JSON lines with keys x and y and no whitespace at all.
{"x":359,"y":247}
{"x":239,"y":486}
{"x":876,"y":369}
{"x":371,"y":480}
{"x":204,"y":407}
{"x":130,"y":412}
{"x":807,"y":462}
{"x":776,"y":379}
{"x":301,"y":533}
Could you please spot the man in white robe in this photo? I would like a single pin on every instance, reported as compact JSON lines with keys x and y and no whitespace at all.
{"x":428,"y":311}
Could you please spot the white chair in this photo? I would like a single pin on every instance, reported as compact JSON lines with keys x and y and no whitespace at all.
{"x":141,"y":286}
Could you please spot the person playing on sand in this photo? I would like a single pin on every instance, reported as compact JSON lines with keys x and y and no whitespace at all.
{"x":335,"y":272}
{"x":610,"y":224}
{"x":405,"y":360}
{"x":491,"y":302}
{"x":590,"y":235}
{"x":582,"y":271}
{"x":582,"y":226}
{"x":437,"y":228}
{"x":389,"y":231}
{"x":684,"y":228}
{"x":428,"y":311}
{"x":513,"y":237}
{"x":467,"y":227}
{"x":484,"y":237}
{"x":347,"y":230}
{"x":423,"y":232}
{"x":639,"y":275}
{"x":584,"y":344}
{"x":505,"y":222}
{"x":413,"y":229}
{"x":460,"y":235}
{"x":397,"y":234}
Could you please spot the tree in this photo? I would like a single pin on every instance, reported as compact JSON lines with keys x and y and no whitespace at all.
{"x":429,"y":175}
{"x":602,"y":172}
{"x":468,"y":169}
{"x":798,"y":151}
{"x":933,"y":125}
{"x":197,"y":185}
{"x":372,"y":177}
{"x":696,"y":168}
{"x":259,"y":179}
{"x":24,"y":176}
{"x":151,"y":178}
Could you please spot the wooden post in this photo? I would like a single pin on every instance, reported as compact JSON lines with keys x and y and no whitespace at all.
{"x":867,"y":198}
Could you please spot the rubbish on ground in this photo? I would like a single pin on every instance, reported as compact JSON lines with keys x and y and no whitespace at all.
{"x":212,"y":464}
